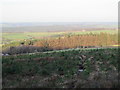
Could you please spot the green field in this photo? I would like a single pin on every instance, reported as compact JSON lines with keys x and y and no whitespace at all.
{"x":97,"y":32}
{"x":27,"y":35}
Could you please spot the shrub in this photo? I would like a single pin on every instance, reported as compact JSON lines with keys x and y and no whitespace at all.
{"x":25,"y":49}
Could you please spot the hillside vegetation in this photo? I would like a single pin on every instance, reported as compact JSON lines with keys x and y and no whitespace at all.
{"x":60,"y":69}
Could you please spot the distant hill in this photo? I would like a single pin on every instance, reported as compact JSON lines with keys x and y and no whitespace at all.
{"x":57,"y":26}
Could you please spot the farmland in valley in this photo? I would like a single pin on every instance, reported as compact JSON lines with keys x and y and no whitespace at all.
{"x":64,"y":55}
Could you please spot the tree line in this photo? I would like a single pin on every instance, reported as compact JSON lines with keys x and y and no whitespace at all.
{"x":74,"y":41}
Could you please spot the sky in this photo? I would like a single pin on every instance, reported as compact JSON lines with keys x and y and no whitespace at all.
{"x":58,"y":11}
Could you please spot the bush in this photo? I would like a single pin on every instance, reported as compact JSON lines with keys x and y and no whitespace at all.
{"x":25,"y":49}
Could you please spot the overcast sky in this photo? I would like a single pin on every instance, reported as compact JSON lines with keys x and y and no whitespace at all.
{"x":59,"y":10}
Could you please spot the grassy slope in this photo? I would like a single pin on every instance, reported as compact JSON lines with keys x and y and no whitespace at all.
{"x":60,"y":69}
